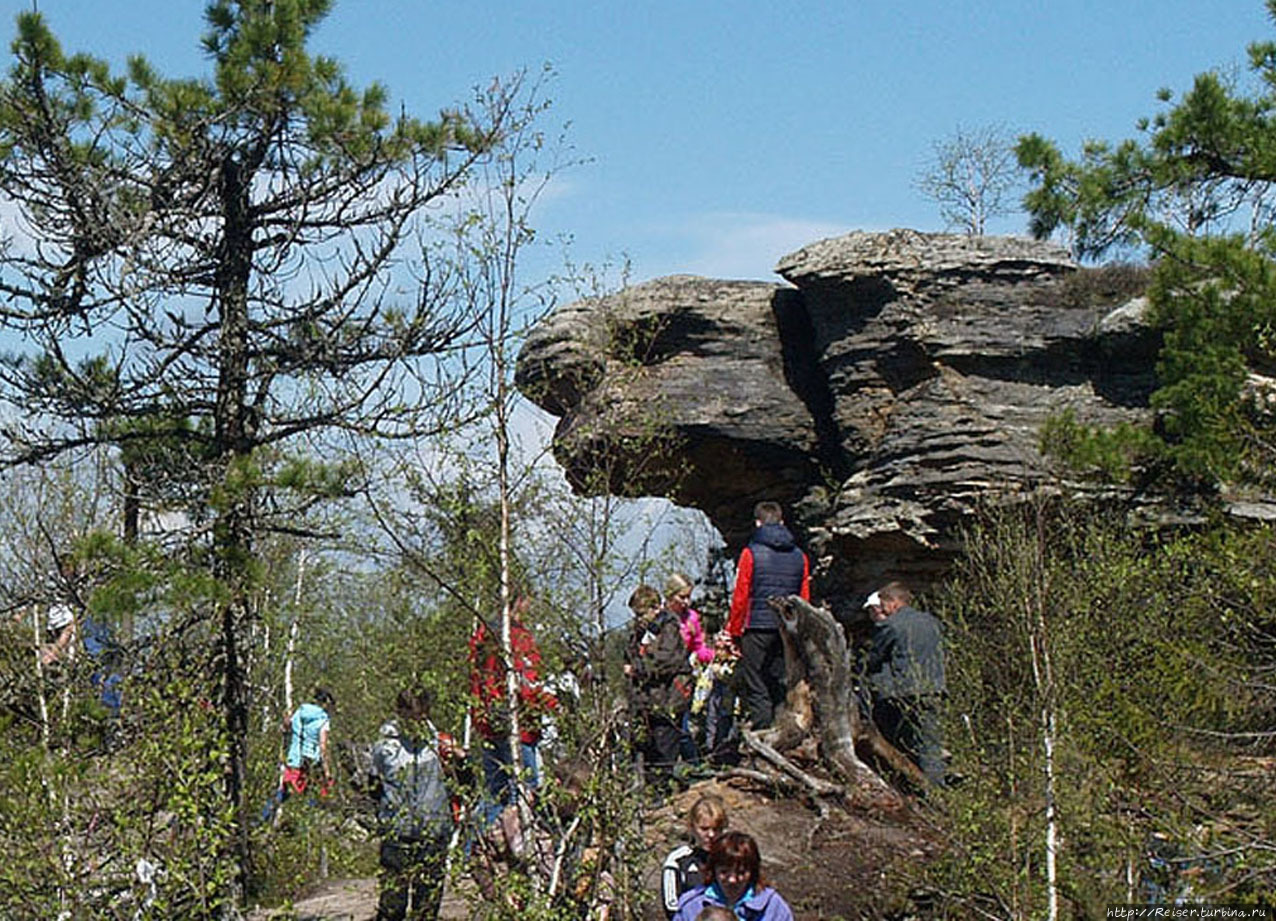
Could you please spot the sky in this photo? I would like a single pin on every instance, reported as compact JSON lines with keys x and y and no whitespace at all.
{"x":718,"y":136}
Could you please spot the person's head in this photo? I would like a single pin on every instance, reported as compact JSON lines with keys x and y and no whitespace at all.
{"x":678,"y":592}
{"x":873,"y":605}
{"x":644,"y":602}
{"x":735,"y":865}
{"x":573,"y":776}
{"x":413,"y":705}
{"x":716,"y":913}
{"x":768,"y":512}
{"x":707,"y":820}
{"x":323,"y":697}
{"x":894,"y":595}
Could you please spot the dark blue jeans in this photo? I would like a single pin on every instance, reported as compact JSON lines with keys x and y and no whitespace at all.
{"x":498,"y":775}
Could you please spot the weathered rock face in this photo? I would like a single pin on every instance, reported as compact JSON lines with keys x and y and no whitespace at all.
{"x":901,"y":380}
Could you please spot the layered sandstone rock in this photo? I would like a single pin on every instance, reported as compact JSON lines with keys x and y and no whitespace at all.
{"x":898,"y":381}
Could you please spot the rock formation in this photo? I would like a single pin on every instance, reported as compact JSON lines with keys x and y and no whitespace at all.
{"x":897,"y":382}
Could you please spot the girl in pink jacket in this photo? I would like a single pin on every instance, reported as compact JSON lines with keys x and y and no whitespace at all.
{"x":678,"y":600}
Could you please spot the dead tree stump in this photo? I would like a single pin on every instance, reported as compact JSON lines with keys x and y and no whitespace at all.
{"x":821,"y":700}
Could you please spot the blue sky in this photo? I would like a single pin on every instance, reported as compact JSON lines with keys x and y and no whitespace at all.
{"x":722,"y":135}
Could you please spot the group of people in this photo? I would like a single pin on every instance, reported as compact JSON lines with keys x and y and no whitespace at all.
{"x":674,"y":670}
{"x":412,"y":764}
{"x":679,"y":679}
{"x":688,"y":688}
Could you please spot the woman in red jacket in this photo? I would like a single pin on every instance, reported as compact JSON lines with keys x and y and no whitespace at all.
{"x":489,"y":709}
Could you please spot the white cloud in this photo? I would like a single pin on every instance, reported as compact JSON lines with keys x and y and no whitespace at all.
{"x":747,"y":245}
{"x":16,"y":231}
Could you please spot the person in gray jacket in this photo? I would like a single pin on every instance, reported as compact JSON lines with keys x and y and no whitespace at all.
{"x":906,"y":677}
{"x":413,"y":811}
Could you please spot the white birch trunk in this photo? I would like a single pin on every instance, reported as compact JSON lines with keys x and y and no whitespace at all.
{"x":41,"y":698}
{"x":294,"y":631}
{"x":1052,"y":838}
{"x":1044,"y":679}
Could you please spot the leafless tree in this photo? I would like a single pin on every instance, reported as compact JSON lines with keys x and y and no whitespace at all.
{"x":971,"y":175}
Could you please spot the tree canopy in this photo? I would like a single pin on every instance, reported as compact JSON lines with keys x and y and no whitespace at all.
{"x":1193,"y":193}
{"x":969,"y":176}
{"x":224,"y":249}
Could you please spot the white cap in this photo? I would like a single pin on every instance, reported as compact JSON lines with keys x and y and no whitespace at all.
{"x":873,"y":600}
{"x":60,"y":615}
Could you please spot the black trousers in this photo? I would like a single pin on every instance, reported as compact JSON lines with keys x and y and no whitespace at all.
{"x":912,"y":724}
{"x":412,"y":873}
{"x":762,"y":670}
{"x":664,"y":744}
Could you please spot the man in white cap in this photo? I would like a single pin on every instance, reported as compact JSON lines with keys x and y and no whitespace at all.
{"x":906,"y":677}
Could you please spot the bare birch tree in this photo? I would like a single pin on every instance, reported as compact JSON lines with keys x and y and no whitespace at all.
{"x":971,"y":176}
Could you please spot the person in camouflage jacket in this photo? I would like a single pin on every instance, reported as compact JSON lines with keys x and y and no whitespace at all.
{"x":662,"y":678}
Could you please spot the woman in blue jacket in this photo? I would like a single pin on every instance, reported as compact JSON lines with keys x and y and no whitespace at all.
{"x":733,"y":880}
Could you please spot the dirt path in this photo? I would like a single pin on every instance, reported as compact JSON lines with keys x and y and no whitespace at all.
{"x":349,"y":900}
{"x":846,"y":866}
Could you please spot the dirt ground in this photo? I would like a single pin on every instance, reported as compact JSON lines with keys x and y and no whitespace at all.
{"x":844,"y":866}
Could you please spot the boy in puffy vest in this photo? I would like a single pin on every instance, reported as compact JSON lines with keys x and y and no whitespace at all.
{"x":771,"y":566}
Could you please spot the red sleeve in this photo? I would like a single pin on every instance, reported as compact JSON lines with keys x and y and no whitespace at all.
{"x":741,"y":598}
{"x":528,"y":659}
{"x":806,"y":578}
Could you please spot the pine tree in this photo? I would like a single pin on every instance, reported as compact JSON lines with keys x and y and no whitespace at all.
{"x":1195,"y":194}
{"x":228,"y":263}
